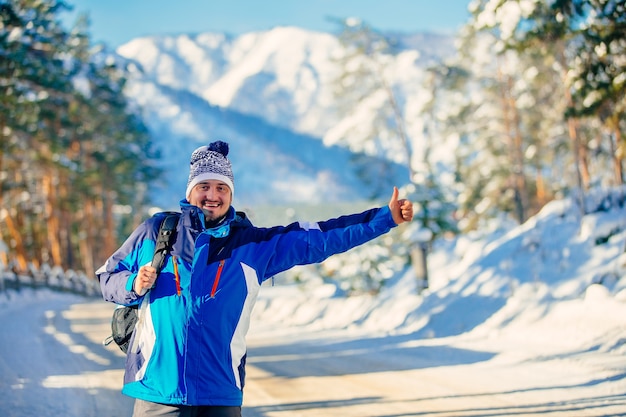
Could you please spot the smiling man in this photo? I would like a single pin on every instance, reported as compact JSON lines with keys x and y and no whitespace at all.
{"x":187,"y":354}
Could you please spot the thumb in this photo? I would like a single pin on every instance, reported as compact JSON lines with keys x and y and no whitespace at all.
{"x":394,"y":198}
{"x":395,"y":207}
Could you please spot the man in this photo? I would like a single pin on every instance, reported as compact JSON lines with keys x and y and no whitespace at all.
{"x":187,"y":353}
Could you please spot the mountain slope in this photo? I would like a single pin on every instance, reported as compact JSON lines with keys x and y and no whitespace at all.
{"x":270,"y":95}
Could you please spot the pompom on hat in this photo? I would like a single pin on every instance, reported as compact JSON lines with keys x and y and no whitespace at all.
{"x":210,"y":163}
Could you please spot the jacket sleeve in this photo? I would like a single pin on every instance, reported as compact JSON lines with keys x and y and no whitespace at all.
{"x":305,"y":243}
{"x":118,"y":274}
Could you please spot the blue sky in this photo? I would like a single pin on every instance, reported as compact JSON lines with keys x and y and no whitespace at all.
{"x":118,"y":21}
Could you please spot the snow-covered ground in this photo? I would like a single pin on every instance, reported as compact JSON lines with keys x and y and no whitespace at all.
{"x":526,"y":321}
{"x":556,"y":281}
{"x":545,"y":304}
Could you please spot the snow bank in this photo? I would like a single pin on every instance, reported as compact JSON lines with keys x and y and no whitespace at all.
{"x":552,"y":284}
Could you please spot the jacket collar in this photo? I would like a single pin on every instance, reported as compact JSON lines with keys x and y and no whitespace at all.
{"x":195,"y":220}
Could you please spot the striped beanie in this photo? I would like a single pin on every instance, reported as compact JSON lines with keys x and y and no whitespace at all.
{"x":210,"y":163}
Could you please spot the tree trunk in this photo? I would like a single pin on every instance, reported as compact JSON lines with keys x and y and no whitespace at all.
{"x":52,"y":220}
{"x":519,"y":165}
{"x":85,"y":238}
{"x":573,"y":134}
{"x":511,"y":121}
{"x":617,"y":148}
{"x":20,"y":255}
{"x":580,"y":156}
{"x":541,"y":194}
{"x":419,"y":260}
{"x":110,"y":244}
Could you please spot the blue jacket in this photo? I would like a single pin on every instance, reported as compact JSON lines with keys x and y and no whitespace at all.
{"x":189,"y":344}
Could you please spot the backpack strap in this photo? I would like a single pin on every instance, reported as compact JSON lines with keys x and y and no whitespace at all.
{"x":165,"y":239}
{"x":125,"y":318}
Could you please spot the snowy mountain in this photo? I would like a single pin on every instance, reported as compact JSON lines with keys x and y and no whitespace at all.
{"x":270,"y":95}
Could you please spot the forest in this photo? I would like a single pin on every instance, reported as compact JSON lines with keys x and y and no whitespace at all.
{"x":64,"y":123}
{"x":538,"y":115}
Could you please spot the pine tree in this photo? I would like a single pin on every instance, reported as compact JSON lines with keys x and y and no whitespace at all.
{"x":494,"y":139}
{"x":363,"y":86}
{"x":73,"y":149}
{"x":531,"y":49}
{"x":599,"y":70}
{"x":586,"y":38}
{"x":34,"y":83}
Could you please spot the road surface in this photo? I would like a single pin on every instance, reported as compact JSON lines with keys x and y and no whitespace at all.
{"x":52,"y":363}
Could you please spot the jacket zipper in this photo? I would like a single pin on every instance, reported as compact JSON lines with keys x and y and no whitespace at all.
{"x":176,"y":274}
{"x":217,"y":277}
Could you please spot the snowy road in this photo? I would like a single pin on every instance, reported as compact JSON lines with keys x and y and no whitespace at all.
{"x":53,"y":364}
{"x":308,"y":375}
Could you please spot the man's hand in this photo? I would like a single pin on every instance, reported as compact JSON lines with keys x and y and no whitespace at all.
{"x":145,"y":279}
{"x":401,"y":210}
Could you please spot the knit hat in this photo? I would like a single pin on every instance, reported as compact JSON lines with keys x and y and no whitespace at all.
{"x":210,"y":163}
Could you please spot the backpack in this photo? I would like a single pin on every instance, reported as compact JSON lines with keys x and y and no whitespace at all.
{"x":125,"y":317}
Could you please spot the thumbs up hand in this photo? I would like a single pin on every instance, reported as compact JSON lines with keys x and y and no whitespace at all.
{"x":401,"y":210}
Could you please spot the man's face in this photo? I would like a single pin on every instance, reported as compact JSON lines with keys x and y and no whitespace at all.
{"x":213,"y":197}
